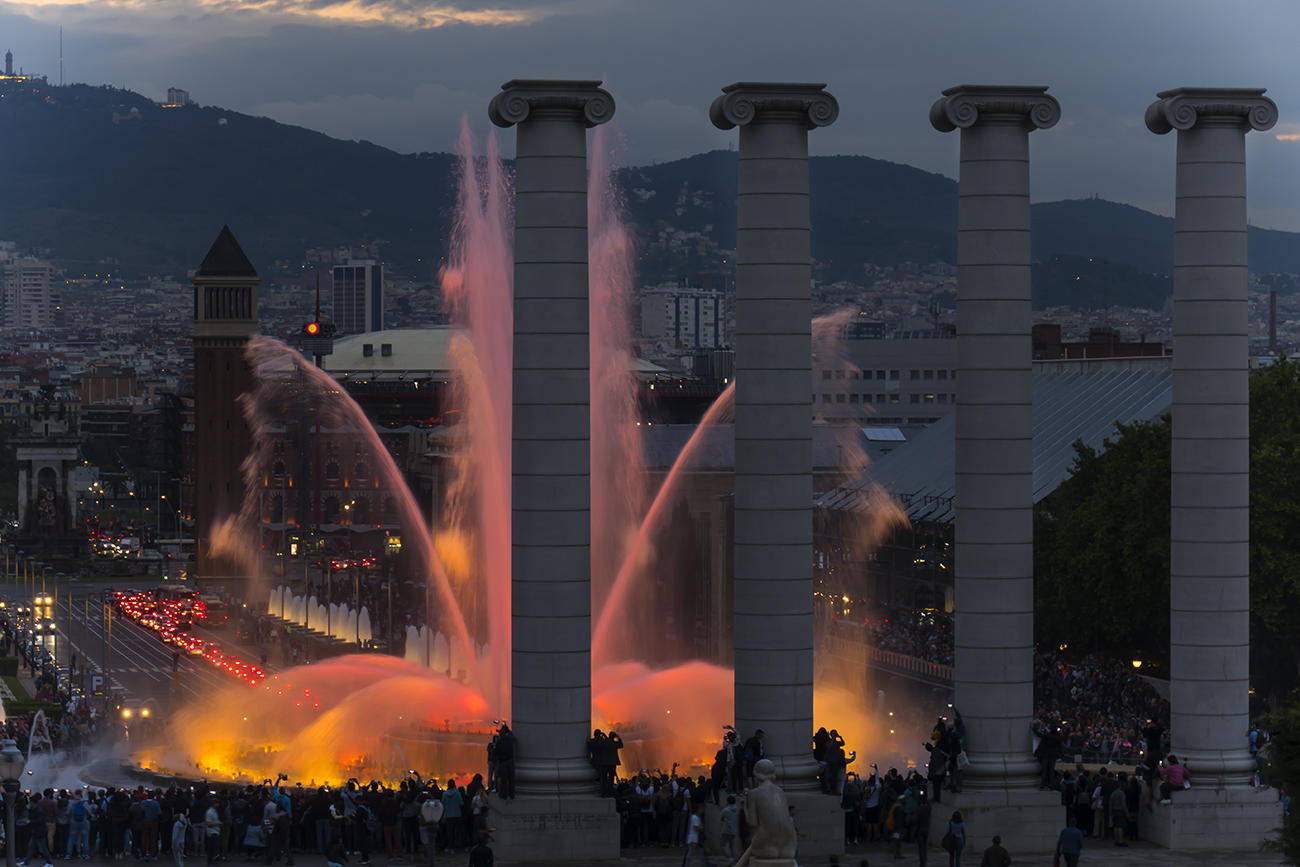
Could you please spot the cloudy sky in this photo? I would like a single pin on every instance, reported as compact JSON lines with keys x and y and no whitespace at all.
{"x":402,"y":72}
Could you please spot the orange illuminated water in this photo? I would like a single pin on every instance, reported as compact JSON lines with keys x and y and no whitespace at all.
{"x":376,"y":716}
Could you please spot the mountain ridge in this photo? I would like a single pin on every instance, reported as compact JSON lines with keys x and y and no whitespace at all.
{"x":100,"y":174}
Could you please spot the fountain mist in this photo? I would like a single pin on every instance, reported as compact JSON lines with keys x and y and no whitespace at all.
{"x":374,"y":716}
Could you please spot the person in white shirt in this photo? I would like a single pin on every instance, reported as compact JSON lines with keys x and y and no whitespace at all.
{"x":695,"y":837}
{"x":212,"y":831}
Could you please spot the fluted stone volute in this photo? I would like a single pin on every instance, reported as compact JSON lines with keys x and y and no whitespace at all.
{"x":994,"y":562}
{"x":1209,"y":581}
{"x":550,"y":439}
{"x":773,"y":613}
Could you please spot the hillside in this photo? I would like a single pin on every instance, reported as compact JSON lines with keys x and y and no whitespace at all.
{"x":98,"y":174}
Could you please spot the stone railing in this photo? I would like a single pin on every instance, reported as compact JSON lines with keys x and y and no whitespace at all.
{"x":902,"y":663}
{"x":889,"y":660}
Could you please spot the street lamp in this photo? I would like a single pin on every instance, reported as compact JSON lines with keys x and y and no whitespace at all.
{"x":11,"y":771}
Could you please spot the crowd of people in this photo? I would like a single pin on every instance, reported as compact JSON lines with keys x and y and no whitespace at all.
{"x":1097,"y":710}
{"x":267,"y":823}
{"x":929,"y":638}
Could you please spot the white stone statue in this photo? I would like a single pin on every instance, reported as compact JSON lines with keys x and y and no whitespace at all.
{"x":766,"y":810}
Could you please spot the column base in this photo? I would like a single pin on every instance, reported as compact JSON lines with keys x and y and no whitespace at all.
{"x":538,"y":830}
{"x":820,"y":822}
{"x":999,"y":771}
{"x":1028,"y":820}
{"x":1236,"y":818}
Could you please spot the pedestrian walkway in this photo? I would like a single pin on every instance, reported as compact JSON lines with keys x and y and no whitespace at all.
{"x":1135,"y":855}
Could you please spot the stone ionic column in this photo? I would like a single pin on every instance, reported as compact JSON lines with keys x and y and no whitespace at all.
{"x":773,"y":464}
{"x":1210,"y":496}
{"x":550,"y":476}
{"x":995,"y":454}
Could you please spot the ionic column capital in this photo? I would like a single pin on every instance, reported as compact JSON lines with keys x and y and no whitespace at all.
{"x":964,"y":106}
{"x":1186,"y":107}
{"x":521,"y":98}
{"x":743,"y":102}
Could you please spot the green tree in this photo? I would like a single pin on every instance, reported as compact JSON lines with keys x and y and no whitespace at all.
{"x":1101,"y":548}
{"x":1282,"y":764}
{"x":1275,"y":526}
{"x":1101,"y":552}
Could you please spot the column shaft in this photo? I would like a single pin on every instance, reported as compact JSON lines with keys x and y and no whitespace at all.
{"x":551,"y":454}
{"x":1210,"y":499}
{"x":773,"y":591}
{"x":994,"y":532}
{"x":994,"y":590}
{"x":1209,"y":578}
{"x":773,"y":463}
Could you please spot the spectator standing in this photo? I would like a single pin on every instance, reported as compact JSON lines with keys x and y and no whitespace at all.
{"x":481,"y":854}
{"x":955,"y":839}
{"x":505,"y":759}
{"x":1069,"y":844}
{"x":212,"y":831}
{"x":730,"y":829}
{"x":937,"y":769}
{"x":453,"y":803}
{"x":36,"y":825}
{"x":922,"y":833}
{"x":1118,"y":806}
{"x":430,"y":815}
{"x":996,"y":855}
{"x":180,"y":830}
{"x":694,"y":837}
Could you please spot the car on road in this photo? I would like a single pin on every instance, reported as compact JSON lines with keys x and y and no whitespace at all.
{"x":134,"y":710}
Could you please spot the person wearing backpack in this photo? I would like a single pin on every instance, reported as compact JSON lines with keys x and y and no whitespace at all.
{"x":78,"y":828}
{"x":430,"y":815}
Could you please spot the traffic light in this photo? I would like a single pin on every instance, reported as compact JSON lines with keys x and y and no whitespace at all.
{"x":318,"y":338}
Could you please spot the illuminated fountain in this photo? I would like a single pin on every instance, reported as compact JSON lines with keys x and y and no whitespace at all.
{"x":375,"y":716}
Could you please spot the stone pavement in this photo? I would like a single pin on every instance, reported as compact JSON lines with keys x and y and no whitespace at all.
{"x":1135,"y":855}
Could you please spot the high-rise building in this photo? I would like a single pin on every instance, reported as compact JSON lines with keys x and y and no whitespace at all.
{"x":31,"y":294}
{"x":690,"y":317}
{"x":358,"y":297}
{"x":225,"y":317}
{"x":9,"y":63}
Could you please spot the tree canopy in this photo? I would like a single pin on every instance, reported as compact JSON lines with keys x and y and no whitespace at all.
{"x":1101,"y":540}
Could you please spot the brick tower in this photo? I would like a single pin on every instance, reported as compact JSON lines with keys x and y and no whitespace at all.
{"x":225,"y":316}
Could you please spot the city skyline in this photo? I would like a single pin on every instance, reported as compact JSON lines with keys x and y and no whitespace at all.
{"x":402,"y":73}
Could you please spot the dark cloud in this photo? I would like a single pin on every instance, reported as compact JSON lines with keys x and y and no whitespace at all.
{"x":407,"y":87}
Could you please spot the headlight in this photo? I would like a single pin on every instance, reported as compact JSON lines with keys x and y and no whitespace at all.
{"x":144,"y":711}
{"x":126,"y":713}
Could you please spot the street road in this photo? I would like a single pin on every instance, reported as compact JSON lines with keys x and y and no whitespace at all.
{"x":138,"y":662}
